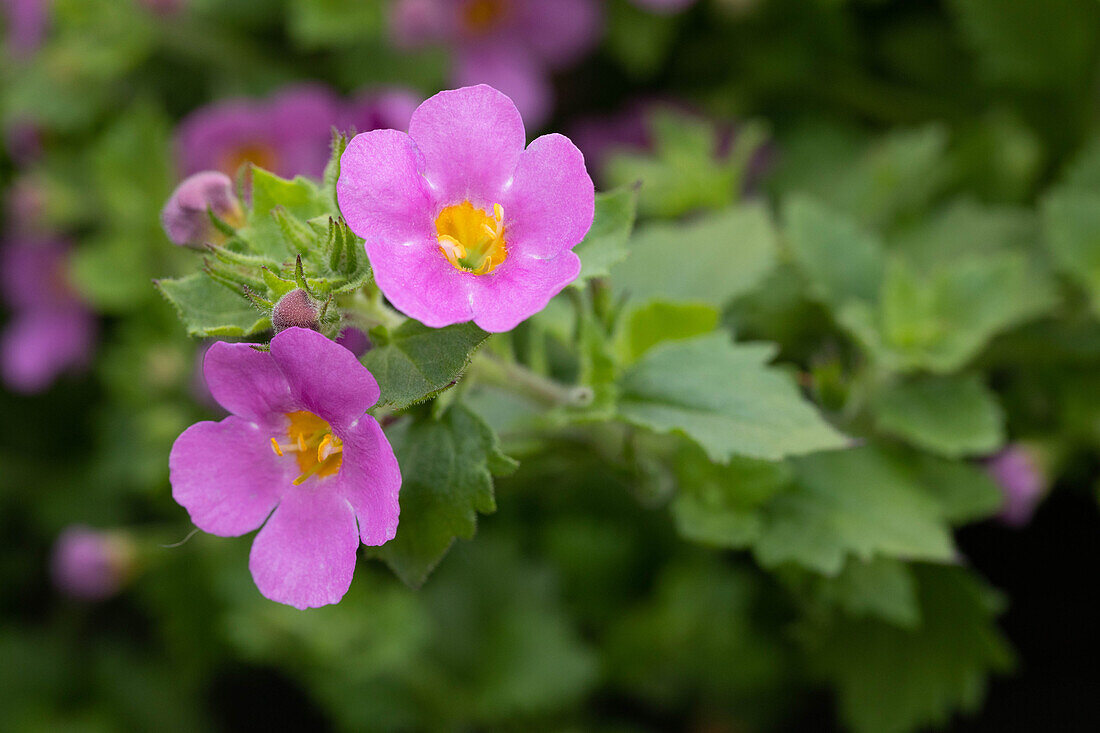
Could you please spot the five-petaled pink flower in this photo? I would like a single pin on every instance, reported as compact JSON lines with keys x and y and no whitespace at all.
{"x":298,"y":442}
{"x":460,"y":221}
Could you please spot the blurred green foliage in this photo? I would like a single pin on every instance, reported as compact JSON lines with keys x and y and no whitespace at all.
{"x":922,"y":256}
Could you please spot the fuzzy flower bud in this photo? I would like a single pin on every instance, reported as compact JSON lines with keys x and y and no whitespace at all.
{"x":185,"y":218}
{"x":295,"y":309}
{"x":90,"y":564}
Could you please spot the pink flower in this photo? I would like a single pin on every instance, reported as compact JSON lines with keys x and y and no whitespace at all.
{"x":509,"y":44}
{"x":90,"y":564}
{"x":297,"y":452}
{"x":1022,"y":481}
{"x":461,"y":222}
{"x":28,"y":21}
{"x":50,"y":330}
{"x":185,"y":217}
{"x":289,"y":134}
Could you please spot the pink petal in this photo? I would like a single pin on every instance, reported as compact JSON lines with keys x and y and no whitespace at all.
{"x":246,"y":382}
{"x":471,"y":139}
{"x":419,"y":281}
{"x":305,"y":554}
{"x":370,"y":479}
{"x":561,"y":31}
{"x":381,"y":192}
{"x":519,"y":288}
{"x":551,"y":203}
{"x":512,"y":69}
{"x":324,"y":377}
{"x":226,"y":475}
{"x":39,"y":344}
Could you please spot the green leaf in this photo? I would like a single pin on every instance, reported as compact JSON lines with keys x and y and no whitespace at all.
{"x":724,"y":397}
{"x":677,"y":261}
{"x":415,"y":362}
{"x":661,"y":321}
{"x":1072,"y":224}
{"x":964,"y":491}
{"x":208,"y":308}
{"x":111,"y":273}
{"x":851,"y":503}
{"x":882,"y":588}
{"x":334,"y":23}
{"x":605,"y":243}
{"x":927,"y":304}
{"x":1036,"y":44}
{"x":842,"y":261}
{"x":896,"y":175}
{"x":447,"y":464}
{"x":675,"y":647}
{"x":952,"y":416}
{"x":719,"y":504}
{"x":941,"y":320}
{"x":684,"y":172}
{"x":896,"y":680}
{"x":505,"y":645}
{"x":638,"y":40}
{"x":300,"y":197}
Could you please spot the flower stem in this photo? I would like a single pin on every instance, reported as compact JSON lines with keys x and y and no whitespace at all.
{"x":515,"y":377}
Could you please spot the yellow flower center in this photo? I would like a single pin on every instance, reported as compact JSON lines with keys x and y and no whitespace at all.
{"x":258,"y":154}
{"x":318,"y":450}
{"x":479,"y":16}
{"x":470,"y":239}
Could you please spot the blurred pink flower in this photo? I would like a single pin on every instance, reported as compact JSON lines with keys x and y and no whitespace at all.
{"x":289,"y":134}
{"x":27,"y":22}
{"x":91,"y":564}
{"x":511,"y":45}
{"x":50,"y":330}
{"x":1022,"y":481}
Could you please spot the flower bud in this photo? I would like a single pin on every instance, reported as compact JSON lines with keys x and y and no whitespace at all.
{"x":1022,"y":481}
{"x":185,"y":217}
{"x":90,"y":564}
{"x":294,"y":309}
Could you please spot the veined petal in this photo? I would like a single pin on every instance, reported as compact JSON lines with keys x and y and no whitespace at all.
{"x":323,"y":376}
{"x":246,"y":382}
{"x":381,"y":193}
{"x":305,"y":554}
{"x":370,"y":479}
{"x":471,"y":140}
{"x":420,"y":282}
{"x":226,"y":476}
{"x":511,"y":68}
{"x":552,"y":201}
{"x":520,"y":288}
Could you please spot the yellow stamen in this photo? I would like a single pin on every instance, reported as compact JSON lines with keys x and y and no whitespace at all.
{"x":470,"y":239}
{"x":317,"y":449}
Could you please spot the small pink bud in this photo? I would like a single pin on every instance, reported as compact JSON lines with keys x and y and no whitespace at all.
{"x":1019,"y":473}
{"x":294,"y":309}
{"x":185,"y":217}
{"x":90,"y":564}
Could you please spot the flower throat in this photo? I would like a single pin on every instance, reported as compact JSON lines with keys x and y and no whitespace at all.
{"x":471,"y":239}
{"x":318,"y":450}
